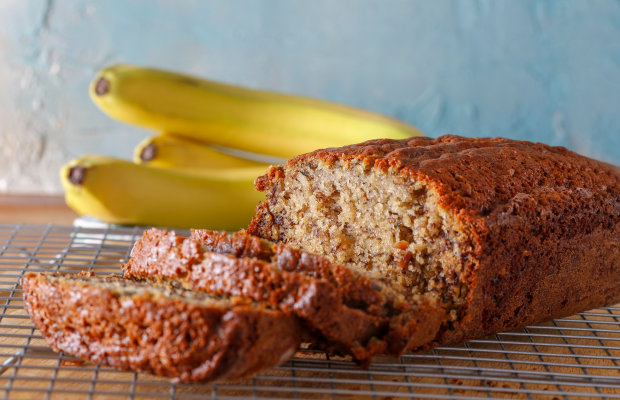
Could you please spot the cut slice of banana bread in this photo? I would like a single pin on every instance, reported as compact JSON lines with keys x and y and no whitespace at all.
{"x":345,"y":311}
{"x":505,"y":233}
{"x":158,"y":327}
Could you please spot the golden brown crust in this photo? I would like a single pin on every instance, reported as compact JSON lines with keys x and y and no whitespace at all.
{"x":238,"y":244}
{"x":539,"y":226}
{"x":543,"y":256}
{"x":347,"y":312}
{"x":166,"y":336}
{"x":474,"y":174}
{"x":162,"y":245}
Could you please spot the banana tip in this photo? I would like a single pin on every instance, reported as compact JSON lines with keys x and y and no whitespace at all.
{"x":148,"y":152}
{"x":77,"y":175}
{"x":102,"y":86}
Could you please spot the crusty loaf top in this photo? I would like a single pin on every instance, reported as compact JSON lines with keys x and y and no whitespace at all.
{"x":472,"y":174}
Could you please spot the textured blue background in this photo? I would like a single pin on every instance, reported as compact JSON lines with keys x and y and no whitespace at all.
{"x":545,"y":71}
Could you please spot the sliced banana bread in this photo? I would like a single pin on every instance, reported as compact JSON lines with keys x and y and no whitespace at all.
{"x":158,"y":327}
{"x":505,"y":233}
{"x":344,"y":311}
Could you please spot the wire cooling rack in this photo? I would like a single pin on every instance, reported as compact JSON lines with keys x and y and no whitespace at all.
{"x":575,"y":357}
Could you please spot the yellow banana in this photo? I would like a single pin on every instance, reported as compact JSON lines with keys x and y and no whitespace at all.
{"x":122,"y":192}
{"x":168,"y":151}
{"x":251,"y":120}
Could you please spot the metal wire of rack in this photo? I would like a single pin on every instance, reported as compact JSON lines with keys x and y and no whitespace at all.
{"x":574,"y":357}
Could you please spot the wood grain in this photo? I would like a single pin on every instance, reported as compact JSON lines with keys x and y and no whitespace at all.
{"x":35,"y":210}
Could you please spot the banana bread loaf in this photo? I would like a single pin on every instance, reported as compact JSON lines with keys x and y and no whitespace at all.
{"x":158,"y":327}
{"x":344,"y":312}
{"x":505,"y":233}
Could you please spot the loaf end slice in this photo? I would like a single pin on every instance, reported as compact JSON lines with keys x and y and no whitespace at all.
{"x":158,"y":327}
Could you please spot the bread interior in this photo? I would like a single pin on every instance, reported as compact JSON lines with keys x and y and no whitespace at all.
{"x":372,"y":221}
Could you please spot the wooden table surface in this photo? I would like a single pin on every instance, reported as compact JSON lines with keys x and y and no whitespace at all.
{"x":35,"y":210}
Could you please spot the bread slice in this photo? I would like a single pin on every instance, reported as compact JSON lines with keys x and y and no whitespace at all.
{"x":344,"y":311}
{"x":158,"y":327}
{"x":505,"y":233}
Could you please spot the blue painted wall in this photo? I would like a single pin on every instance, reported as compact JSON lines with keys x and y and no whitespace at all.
{"x":545,"y":71}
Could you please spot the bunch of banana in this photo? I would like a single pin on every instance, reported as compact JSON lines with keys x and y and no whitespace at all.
{"x":181,"y":178}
